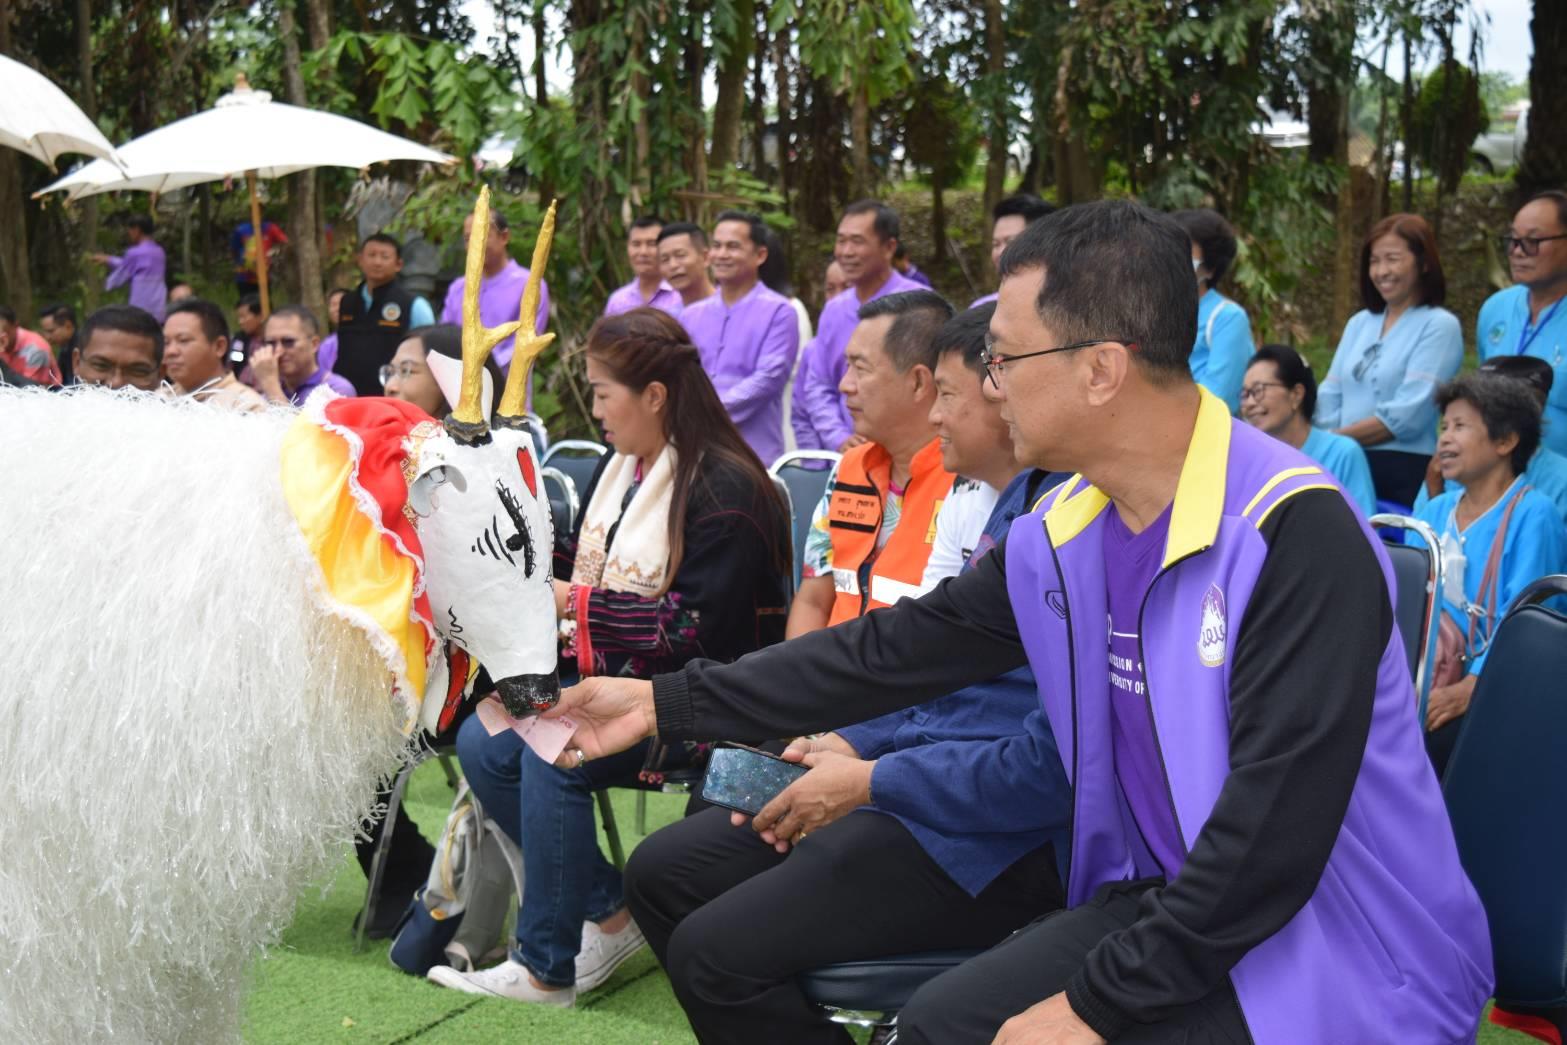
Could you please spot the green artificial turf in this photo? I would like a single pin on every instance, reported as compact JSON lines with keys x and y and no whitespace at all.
{"x":314,"y":988}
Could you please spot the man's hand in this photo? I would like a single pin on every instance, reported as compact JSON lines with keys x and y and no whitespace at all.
{"x":1448,"y":702}
{"x":612,"y":714}
{"x":1051,"y":1022}
{"x":102,"y":259}
{"x":836,"y":784}
{"x":562,"y":599}
{"x":851,"y":442}
{"x":802,"y":746}
{"x":264,"y":365}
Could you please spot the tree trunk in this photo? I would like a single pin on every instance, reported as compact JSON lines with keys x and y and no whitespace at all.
{"x":995,"y":70}
{"x":641,"y":136}
{"x":759,"y":95}
{"x":730,"y":104}
{"x":1077,"y":176}
{"x":1544,"y":163}
{"x":318,"y":30}
{"x":541,"y":93}
{"x":785,"y":114}
{"x":1406,"y":117}
{"x":696,"y":123}
{"x":88,"y":100}
{"x":18,"y":285}
{"x":302,"y":186}
{"x":1346,"y":257}
{"x":1384,"y":166}
{"x":860,"y":136}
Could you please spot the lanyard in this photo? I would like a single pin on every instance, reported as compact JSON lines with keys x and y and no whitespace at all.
{"x":1527,"y":335}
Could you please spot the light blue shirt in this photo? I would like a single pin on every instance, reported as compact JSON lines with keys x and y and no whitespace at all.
{"x":1547,"y":473}
{"x":1503,"y":330}
{"x":1224,"y":346}
{"x":1392,"y":378}
{"x":420,"y":314}
{"x":1535,"y":546}
{"x":1344,"y":458}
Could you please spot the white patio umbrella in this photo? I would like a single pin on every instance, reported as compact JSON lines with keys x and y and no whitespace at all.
{"x":245,"y":133}
{"x":41,"y":120}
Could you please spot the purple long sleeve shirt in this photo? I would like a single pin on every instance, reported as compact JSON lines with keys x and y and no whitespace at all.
{"x":749,"y":349}
{"x":500,"y":301}
{"x":143,"y":266}
{"x":817,"y":414}
{"x":629,"y":297}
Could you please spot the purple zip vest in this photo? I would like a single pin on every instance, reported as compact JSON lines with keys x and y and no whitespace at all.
{"x":1393,"y":945}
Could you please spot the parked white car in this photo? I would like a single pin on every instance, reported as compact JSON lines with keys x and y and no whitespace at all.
{"x":1500,"y":148}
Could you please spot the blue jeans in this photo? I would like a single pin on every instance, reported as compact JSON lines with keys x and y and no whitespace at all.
{"x":548,"y":812}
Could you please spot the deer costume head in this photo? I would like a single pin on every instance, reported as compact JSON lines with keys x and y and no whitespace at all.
{"x":456,"y":556}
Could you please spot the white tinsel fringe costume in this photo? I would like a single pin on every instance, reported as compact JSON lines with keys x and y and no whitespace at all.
{"x":189,"y":739}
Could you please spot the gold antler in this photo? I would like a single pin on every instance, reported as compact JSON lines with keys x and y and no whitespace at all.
{"x":514,"y":400}
{"x":467,"y":422}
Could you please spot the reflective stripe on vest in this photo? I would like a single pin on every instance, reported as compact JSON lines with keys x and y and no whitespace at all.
{"x":854,"y":518}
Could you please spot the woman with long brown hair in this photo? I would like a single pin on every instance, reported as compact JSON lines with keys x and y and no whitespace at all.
{"x":682,"y":551}
{"x":1381,"y":387}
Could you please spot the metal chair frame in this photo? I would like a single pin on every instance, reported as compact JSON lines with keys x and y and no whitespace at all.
{"x":795,"y":457}
{"x":1433,"y":600}
{"x":383,"y":844}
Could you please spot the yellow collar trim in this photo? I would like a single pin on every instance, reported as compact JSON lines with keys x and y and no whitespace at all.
{"x":1199,"y":495}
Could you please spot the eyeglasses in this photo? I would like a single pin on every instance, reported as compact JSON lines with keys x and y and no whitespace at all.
{"x":1367,"y":361}
{"x":402,"y":372}
{"x":1530,"y":245}
{"x":1258,"y":390}
{"x":994,"y":362}
{"x":285,"y":343}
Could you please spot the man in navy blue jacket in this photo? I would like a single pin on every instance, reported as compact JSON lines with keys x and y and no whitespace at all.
{"x":940,"y":826}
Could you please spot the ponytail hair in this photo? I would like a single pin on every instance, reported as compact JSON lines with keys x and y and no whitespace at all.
{"x":646,"y":345}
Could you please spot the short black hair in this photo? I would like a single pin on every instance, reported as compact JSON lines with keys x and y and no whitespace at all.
{"x":497,"y":221}
{"x":1556,"y":196}
{"x":774,"y":272}
{"x":141,"y":223}
{"x":647,"y":221}
{"x":1531,"y":370}
{"x":127,"y":319}
{"x":213,"y":323}
{"x":59,"y":312}
{"x":250,"y":301}
{"x":1023,"y":205}
{"x":390,"y":240}
{"x":917,"y":317}
{"x":684,"y":228}
{"x":755,"y":227}
{"x":1506,"y":406}
{"x":886,"y":223}
{"x":8,"y":315}
{"x":1213,"y":235}
{"x":1293,"y":371}
{"x":1093,"y":255}
{"x":965,"y":333}
{"x":301,"y":313}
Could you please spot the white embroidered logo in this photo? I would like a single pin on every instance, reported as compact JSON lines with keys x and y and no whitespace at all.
{"x":1213,"y":630}
{"x":391,"y":312}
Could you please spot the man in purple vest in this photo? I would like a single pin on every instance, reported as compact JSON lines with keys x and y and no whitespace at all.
{"x":747,"y":334}
{"x":647,"y":287}
{"x":1259,"y":850}
{"x":867,"y":241}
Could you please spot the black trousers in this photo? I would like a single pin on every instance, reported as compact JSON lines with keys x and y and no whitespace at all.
{"x":733,"y":922}
{"x":1396,"y":475}
{"x":970,"y":1003}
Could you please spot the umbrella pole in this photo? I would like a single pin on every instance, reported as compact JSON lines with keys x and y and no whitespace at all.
{"x":261,"y":244}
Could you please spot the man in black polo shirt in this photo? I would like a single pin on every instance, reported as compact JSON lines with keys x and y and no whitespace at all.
{"x":377,"y":316}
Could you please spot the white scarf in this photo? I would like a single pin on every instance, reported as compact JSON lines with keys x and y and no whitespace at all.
{"x":639,"y":558}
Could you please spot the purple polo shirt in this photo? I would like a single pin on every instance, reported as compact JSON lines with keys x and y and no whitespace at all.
{"x":628,"y":297}
{"x":341,"y":385}
{"x":748,"y":349}
{"x":819,"y":418}
{"x":142,"y":266}
{"x":326,"y":355}
{"x":500,"y":301}
{"x":1131,"y":561}
{"x":986,"y":300}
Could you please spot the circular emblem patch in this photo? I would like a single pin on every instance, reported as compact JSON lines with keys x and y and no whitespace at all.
{"x":1212,"y":633}
{"x":1494,"y":335}
{"x":391,"y":312}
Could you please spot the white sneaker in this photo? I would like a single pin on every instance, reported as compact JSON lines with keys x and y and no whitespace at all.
{"x":509,"y":979}
{"x":602,"y":953}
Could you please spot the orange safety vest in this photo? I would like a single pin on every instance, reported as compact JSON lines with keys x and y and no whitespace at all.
{"x":864,"y":578}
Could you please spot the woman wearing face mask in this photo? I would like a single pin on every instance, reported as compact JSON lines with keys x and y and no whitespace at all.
{"x":1279,"y":396}
{"x":1224,"y":341}
{"x":1490,"y":428}
{"x":682,"y":551}
{"x":1393,"y":355}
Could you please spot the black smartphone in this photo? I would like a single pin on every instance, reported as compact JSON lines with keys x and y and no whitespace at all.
{"x":745,"y":779}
